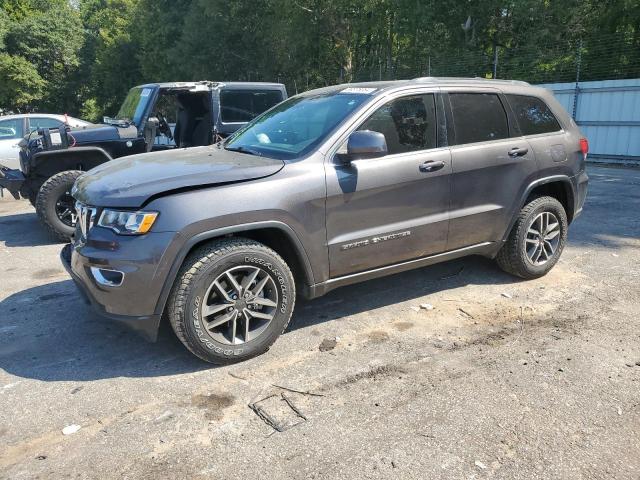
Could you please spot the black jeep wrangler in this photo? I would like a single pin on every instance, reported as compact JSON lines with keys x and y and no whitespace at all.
{"x":157,"y":116}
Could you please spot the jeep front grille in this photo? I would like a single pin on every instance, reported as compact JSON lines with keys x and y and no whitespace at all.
{"x":86,"y":218}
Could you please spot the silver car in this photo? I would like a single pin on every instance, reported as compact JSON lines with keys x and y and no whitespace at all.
{"x":14,"y":127}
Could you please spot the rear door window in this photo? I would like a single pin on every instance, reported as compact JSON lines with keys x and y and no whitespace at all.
{"x":408,"y":123}
{"x":534,"y":116}
{"x":478,"y":117}
{"x":245,"y":105}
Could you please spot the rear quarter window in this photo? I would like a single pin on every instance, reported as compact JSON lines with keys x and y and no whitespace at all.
{"x":478,"y":117}
{"x":533,"y":115}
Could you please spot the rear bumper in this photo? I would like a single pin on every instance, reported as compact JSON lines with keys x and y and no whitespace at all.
{"x":145,"y":325}
{"x":12,"y":180}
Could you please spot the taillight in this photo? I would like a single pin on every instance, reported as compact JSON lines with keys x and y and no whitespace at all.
{"x":584,"y":147}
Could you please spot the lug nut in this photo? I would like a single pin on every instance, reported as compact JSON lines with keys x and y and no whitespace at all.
{"x":230,"y":309}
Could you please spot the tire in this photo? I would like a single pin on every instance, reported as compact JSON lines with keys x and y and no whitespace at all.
{"x":57,"y":188}
{"x":518,"y":254}
{"x":195,"y":292}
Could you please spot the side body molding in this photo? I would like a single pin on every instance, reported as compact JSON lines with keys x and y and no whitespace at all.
{"x":221,"y":232}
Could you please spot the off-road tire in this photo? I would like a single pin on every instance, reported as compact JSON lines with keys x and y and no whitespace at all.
{"x":199,"y":270}
{"x":512,"y":257}
{"x":32,"y":199}
{"x":48,"y":195}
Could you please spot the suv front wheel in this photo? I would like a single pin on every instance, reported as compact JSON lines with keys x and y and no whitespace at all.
{"x":536,"y":240}
{"x":232,"y":299}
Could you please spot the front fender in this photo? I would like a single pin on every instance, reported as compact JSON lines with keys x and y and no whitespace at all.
{"x":191,"y":242}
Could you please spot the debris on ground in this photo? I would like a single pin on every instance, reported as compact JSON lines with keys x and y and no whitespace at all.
{"x":265,"y":408}
{"x":465,"y":313}
{"x":328,"y":344}
{"x":415,"y":309}
{"x":165,"y":416}
{"x":426,"y":306}
{"x":506,"y":295}
{"x":301,"y":392}
{"x":480,"y":465}
{"x":70,"y":429}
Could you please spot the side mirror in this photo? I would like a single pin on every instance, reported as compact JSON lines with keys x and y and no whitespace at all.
{"x":365,"y":144}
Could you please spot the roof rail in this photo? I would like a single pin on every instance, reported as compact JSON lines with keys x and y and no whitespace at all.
{"x":479,"y":79}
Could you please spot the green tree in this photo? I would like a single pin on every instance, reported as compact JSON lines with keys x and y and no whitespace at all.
{"x":20,"y":83}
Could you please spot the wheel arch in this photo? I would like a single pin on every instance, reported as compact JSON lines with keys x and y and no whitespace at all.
{"x":48,"y":163}
{"x":557,"y":186}
{"x":276,"y":235}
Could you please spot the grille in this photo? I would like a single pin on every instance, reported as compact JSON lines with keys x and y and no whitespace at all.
{"x":86,"y":218}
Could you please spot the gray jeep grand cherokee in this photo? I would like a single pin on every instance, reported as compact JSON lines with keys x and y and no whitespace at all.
{"x":331,"y":187}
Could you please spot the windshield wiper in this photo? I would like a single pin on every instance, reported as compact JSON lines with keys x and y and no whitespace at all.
{"x":242,"y":149}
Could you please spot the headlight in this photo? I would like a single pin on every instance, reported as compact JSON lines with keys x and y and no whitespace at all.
{"x":127,"y":223}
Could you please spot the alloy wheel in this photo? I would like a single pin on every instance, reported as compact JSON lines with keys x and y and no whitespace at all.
{"x":543,"y":238}
{"x":239,"y":305}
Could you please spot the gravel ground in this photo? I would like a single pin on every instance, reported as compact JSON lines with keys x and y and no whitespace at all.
{"x":502,"y":378}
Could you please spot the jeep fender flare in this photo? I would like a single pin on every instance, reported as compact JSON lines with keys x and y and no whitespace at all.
{"x":48,"y":163}
{"x":221,"y":232}
{"x":564,"y":179}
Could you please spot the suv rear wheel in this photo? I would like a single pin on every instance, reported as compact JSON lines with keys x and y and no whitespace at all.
{"x":536,"y":240}
{"x":231,"y":300}
{"x":55,"y":205}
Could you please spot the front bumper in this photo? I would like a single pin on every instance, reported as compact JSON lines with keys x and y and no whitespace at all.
{"x":12,"y":180}
{"x":134,"y":301}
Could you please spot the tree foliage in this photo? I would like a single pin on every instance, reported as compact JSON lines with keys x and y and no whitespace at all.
{"x":82,"y":56}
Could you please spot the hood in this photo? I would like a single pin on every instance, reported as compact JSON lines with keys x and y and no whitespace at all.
{"x":102,"y":133}
{"x":131,"y":181}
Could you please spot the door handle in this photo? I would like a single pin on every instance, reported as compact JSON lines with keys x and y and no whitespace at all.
{"x":518,"y":152}
{"x":431,"y":165}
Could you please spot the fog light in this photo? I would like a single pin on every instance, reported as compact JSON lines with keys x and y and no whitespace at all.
{"x":108,"y":278}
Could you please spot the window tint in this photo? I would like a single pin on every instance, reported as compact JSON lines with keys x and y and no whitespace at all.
{"x":478,"y":117}
{"x":41,"y":122}
{"x":245,"y":105}
{"x":11,"y":129}
{"x":408,"y":123}
{"x":533,"y":115}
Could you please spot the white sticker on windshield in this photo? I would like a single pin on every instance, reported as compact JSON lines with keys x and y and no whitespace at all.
{"x":358,"y":90}
{"x":145,"y":92}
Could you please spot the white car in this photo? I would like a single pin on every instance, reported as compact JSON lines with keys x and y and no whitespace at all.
{"x":14,"y":127}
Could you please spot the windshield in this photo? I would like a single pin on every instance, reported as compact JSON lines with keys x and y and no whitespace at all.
{"x":296,"y":126}
{"x":134,"y":105}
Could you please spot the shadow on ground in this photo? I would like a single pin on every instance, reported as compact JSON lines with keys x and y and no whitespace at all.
{"x":23,"y":230}
{"x":48,"y":333}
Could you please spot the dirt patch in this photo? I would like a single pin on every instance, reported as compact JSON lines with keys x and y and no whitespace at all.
{"x":378,"y":336}
{"x":47,"y":273}
{"x":213,"y":403}
{"x":402,"y":326}
{"x":374,"y":373}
